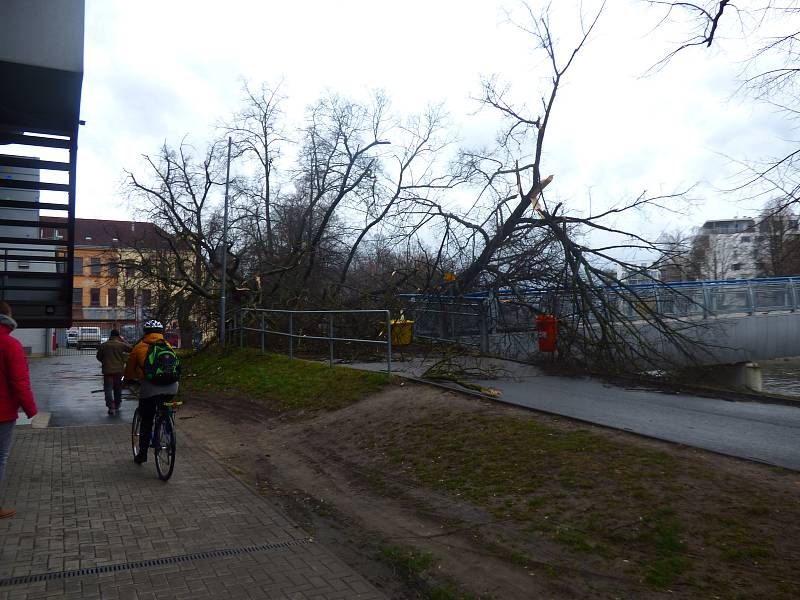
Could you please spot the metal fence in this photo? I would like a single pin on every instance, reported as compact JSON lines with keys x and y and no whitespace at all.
{"x":712,"y":298}
{"x":498,"y":322}
{"x":313,"y":333}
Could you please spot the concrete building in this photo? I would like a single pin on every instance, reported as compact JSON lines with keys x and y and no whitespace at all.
{"x":41,"y":67}
{"x":105,"y":290}
{"x":725,"y":249}
{"x":18,"y":259}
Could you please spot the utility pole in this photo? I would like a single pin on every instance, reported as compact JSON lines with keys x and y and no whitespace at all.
{"x":224,"y":251}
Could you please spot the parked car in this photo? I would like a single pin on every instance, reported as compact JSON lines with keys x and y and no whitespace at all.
{"x":88,"y":337}
{"x":72,"y":337}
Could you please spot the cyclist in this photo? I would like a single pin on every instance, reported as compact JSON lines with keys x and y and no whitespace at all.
{"x":150,"y":394}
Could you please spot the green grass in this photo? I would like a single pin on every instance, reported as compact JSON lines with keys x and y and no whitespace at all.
{"x":411,"y":565}
{"x":281,"y":384}
{"x":544,"y":478}
{"x":407,"y":562}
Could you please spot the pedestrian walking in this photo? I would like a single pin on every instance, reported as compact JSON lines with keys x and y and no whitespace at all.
{"x":15,"y":390}
{"x":112,"y":355}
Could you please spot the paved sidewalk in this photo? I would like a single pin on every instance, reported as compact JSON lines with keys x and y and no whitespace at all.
{"x":83,"y":504}
{"x":63,"y":387}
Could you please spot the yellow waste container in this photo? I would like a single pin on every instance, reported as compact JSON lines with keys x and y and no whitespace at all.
{"x":402,"y":332}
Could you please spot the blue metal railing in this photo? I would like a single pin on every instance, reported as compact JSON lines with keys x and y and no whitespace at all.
{"x":676,"y":299}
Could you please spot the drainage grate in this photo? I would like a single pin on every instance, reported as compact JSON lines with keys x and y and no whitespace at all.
{"x":154,"y":562}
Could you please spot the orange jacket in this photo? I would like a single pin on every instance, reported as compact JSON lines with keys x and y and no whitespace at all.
{"x":134,"y":369}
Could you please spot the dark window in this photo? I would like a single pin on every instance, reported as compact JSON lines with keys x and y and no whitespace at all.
{"x":112,"y":269}
{"x":146,"y":297}
{"x":112,"y":297}
{"x":736,"y":266}
{"x":94,"y":297}
{"x":129,"y":301}
{"x":77,"y":295}
{"x":96,"y":266}
{"x":129,"y":270}
{"x":745,"y":238}
{"x":77,"y":265}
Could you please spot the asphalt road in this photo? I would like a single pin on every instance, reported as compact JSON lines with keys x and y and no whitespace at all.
{"x":62,"y":386}
{"x":767,"y":433}
{"x":763,"y":432}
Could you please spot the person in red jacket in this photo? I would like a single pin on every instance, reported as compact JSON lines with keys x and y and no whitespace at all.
{"x":15,"y":390}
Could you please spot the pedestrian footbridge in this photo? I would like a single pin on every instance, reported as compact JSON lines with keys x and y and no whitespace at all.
{"x":731,"y":321}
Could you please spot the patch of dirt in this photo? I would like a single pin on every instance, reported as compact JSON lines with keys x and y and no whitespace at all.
{"x":356,"y":503}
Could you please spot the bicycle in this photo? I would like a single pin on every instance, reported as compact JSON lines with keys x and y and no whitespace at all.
{"x":162,"y":438}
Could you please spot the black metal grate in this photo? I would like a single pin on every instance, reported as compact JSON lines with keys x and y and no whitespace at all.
{"x":153,"y":562}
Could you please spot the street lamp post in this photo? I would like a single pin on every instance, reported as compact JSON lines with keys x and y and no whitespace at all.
{"x":224,"y":251}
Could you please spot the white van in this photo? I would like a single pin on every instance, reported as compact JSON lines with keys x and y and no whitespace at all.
{"x":72,"y":337}
{"x":88,"y":337}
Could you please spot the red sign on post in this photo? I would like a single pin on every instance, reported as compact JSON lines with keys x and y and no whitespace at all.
{"x":547,"y":327}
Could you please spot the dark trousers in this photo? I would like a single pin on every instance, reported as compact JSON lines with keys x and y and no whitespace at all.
{"x":112,"y":386}
{"x":148,"y":408}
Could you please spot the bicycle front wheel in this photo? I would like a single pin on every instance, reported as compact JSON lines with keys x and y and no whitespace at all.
{"x":135,"y":427}
{"x":165,"y":448}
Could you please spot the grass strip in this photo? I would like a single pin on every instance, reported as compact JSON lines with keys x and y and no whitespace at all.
{"x":587,"y":492}
{"x":281,"y":384}
{"x":411,"y":565}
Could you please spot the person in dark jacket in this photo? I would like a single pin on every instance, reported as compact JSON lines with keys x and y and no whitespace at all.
{"x":112,"y":356}
{"x":15,"y":390}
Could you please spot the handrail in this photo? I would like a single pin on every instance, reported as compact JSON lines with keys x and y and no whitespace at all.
{"x":263,"y":330}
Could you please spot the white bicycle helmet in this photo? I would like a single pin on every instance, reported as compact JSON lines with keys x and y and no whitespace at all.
{"x":153,"y":325}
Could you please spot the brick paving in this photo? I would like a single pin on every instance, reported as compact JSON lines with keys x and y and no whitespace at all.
{"x":82,"y":503}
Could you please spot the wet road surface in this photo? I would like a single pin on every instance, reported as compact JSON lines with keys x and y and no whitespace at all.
{"x":62,"y":386}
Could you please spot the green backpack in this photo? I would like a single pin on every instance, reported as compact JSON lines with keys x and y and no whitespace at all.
{"x":161,"y":365}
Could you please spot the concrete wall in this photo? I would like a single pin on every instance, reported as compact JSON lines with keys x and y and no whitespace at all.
{"x":719,"y":341}
{"x":33,"y":340}
{"x":43,"y":33}
{"x":732,"y":340}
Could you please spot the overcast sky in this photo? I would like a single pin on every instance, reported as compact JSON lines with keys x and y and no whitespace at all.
{"x":157,"y":71}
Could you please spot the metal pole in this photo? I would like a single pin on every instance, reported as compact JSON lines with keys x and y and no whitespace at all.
{"x":241,"y":329}
{"x":330,"y":336}
{"x":388,"y":343}
{"x":263,"y":334}
{"x":793,"y":293}
{"x":751,"y":298}
{"x":224,"y":248}
{"x":482,"y":326}
{"x":291,"y":336}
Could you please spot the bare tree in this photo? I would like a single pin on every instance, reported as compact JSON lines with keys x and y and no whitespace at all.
{"x":178,"y":193}
{"x":675,"y":262}
{"x":258,"y":135}
{"x":515,"y":237}
{"x":777,"y":248}
{"x":769,"y":71}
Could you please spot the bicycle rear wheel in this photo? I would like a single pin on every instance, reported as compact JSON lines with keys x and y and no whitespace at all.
{"x":165,"y":447}
{"x":135,"y":427}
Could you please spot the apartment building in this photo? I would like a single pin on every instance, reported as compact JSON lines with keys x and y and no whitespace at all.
{"x":725,"y":249}
{"x":105,"y":290}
